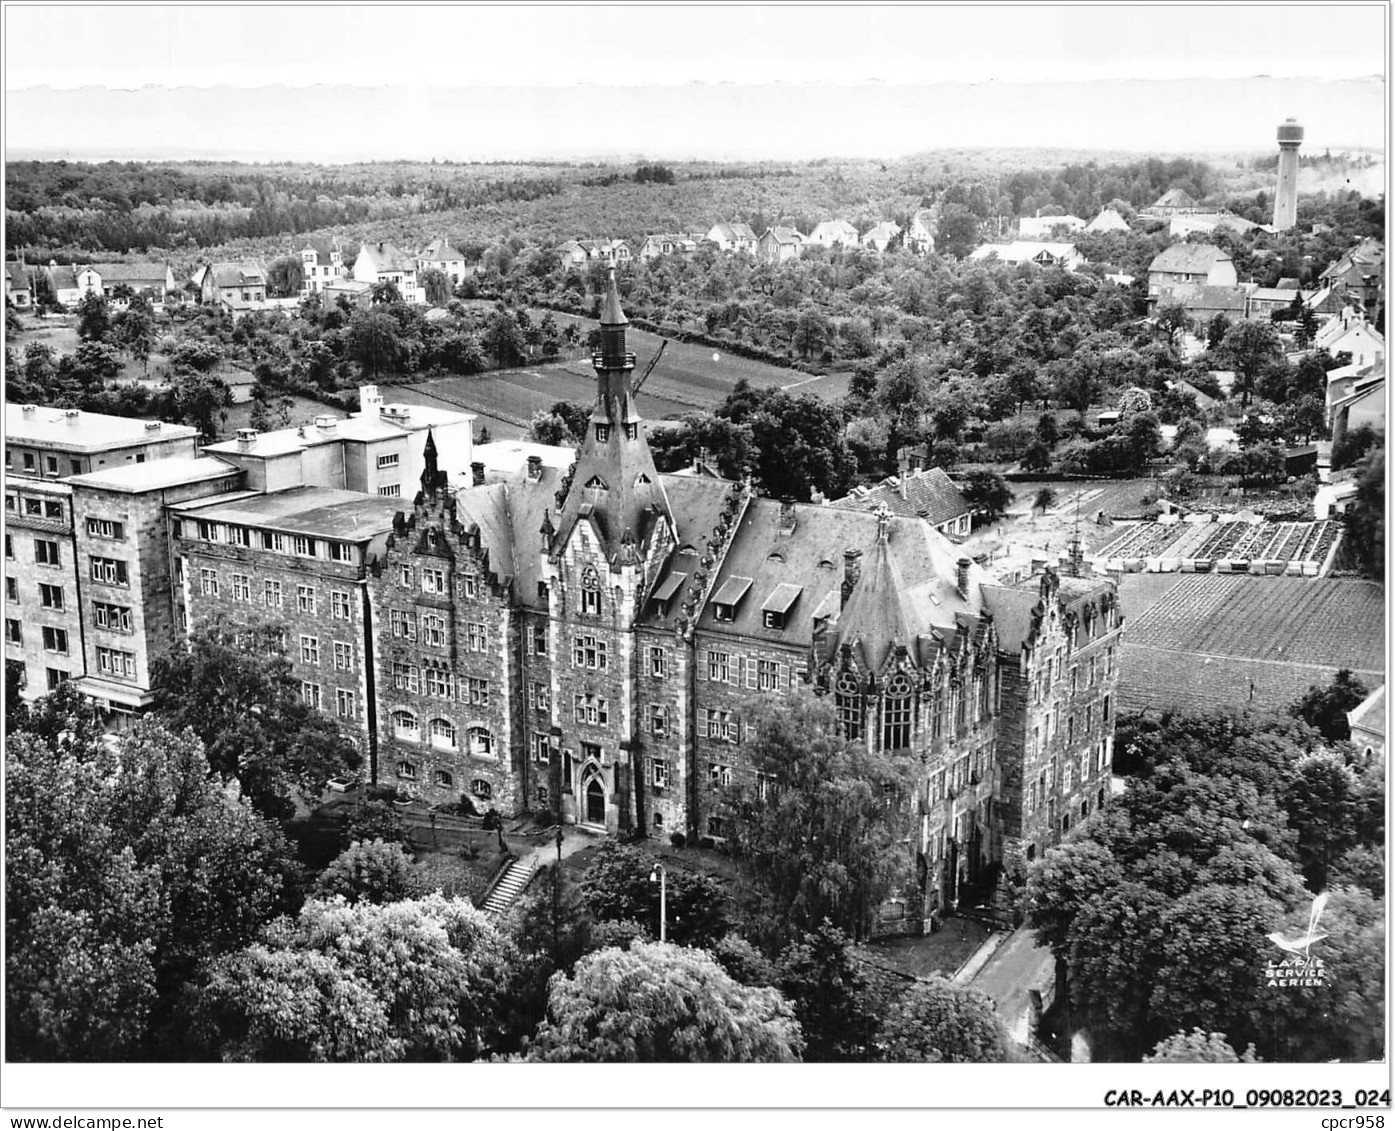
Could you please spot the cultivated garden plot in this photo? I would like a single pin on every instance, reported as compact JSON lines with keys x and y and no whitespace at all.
{"x":1231,"y":545}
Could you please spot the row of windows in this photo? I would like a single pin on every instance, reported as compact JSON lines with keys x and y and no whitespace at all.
{"x":296,"y":545}
{"x":433,"y":629}
{"x":343,"y":653}
{"x":442,"y":734}
{"x":1097,"y":667}
{"x":898,"y":709}
{"x":115,"y":663}
{"x":35,"y":508}
{"x":435,"y":580}
{"x":1052,"y":726}
{"x":722,"y":667}
{"x":345,"y":703}
{"x":443,"y":779}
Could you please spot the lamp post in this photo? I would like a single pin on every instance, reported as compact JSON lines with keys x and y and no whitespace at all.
{"x":658,"y":874}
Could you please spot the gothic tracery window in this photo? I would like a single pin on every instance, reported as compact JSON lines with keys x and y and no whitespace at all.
{"x":896,"y":713}
{"x":847,"y":698}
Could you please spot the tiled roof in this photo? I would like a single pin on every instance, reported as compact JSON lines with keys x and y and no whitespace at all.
{"x":929,"y":494}
{"x":244,"y":274}
{"x":784,"y":236}
{"x":439,"y":251}
{"x":1108,"y":221}
{"x":1197,"y":297}
{"x":386,"y":257}
{"x":18,"y":276}
{"x":148,"y":273}
{"x":1369,"y":714}
{"x":1188,"y":258}
{"x":1174,"y":198}
{"x":323,"y":248}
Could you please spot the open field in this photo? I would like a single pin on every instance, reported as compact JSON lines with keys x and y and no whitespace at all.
{"x":1232,"y":641}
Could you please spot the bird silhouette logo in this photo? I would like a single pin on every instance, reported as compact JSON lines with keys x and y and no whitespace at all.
{"x":1297,"y":944}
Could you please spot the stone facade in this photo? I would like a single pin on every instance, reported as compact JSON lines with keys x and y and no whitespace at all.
{"x":43,"y":603}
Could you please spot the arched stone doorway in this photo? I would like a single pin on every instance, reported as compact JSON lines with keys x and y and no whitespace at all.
{"x":594,"y":802}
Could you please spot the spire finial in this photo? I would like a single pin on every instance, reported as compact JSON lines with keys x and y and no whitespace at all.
{"x":430,"y":474}
{"x":611,"y":314}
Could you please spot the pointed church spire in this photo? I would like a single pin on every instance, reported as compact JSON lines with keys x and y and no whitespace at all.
{"x":431,"y":476}
{"x":611,"y":314}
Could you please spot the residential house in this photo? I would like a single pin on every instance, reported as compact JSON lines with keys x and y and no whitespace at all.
{"x":779,"y":245}
{"x":1367,"y":722}
{"x":920,"y":236}
{"x":1350,"y":333}
{"x":578,"y":253}
{"x":19,"y":288}
{"x":1200,"y":264}
{"x":1108,"y":221}
{"x":1265,"y":301}
{"x":879,"y":236}
{"x":441,"y":256}
{"x":53,"y":443}
{"x":1064,"y":255}
{"x":833,"y":233}
{"x":1357,"y":401}
{"x":668,"y":243}
{"x":153,"y":281}
{"x":1044,"y":227}
{"x":1171,"y":202}
{"x":352,"y":291}
{"x":916,"y":491}
{"x":63,"y":280}
{"x":235,"y":287}
{"x":1203,"y":303}
{"x":321,"y":260}
{"x":382,"y":263}
{"x":1358,"y":274}
{"x":733,"y":237}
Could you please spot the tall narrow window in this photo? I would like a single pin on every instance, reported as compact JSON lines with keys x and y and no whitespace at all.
{"x":896,"y":713}
{"x":847,"y":698}
{"x":590,"y":592}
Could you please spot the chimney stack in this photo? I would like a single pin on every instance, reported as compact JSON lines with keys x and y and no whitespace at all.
{"x":961,"y":577}
{"x":852,"y":571}
{"x":903,"y":467}
{"x":787,"y":517}
{"x":477,"y":474}
{"x":535,"y":468}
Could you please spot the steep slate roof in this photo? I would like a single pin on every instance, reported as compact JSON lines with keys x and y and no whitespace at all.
{"x":1197,"y":296}
{"x":1108,"y":221}
{"x":18,"y":275}
{"x":1014,"y":607}
{"x":697,"y":507}
{"x":439,"y":251}
{"x":742,"y":231}
{"x":784,"y":236}
{"x":1369,"y":714}
{"x":929,"y":494}
{"x":1188,"y":258}
{"x":386,"y":257}
{"x":63,"y":276}
{"x":148,"y":273}
{"x":245,"y":273}
{"x":833,"y":229}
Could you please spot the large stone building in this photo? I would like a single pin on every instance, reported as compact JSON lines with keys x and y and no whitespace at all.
{"x":591,"y":645}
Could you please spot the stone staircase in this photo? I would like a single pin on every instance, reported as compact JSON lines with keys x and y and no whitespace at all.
{"x":510,"y":885}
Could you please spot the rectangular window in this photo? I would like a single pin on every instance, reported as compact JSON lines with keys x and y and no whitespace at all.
{"x":110,"y":572}
{"x":242,"y":588}
{"x":718,"y":774}
{"x":51,"y":596}
{"x":46,"y":552}
{"x":391,"y":491}
{"x":720,"y":725}
{"x":309,"y":649}
{"x":660,"y":773}
{"x":239,"y":535}
{"x":479,"y":692}
{"x":588,"y":652}
{"x":591,"y":709}
{"x":343,"y":656}
{"x":115,"y":663}
{"x":273,"y":541}
{"x":767,"y":675}
{"x":11,"y":589}
{"x":305,"y":598}
{"x":405,"y":677}
{"x":403,"y":625}
{"x":539,"y":697}
{"x":302,"y":546}
{"x":591,"y":602}
{"x":541,"y":746}
{"x":310,"y":693}
{"x":470,"y":586}
{"x":1104,"y":710}
{"x":208,"y":582}
{"x":658,"y":664}
{"x":718,"y":667}
{"x":344,"y":703}
{"x":34,"y":507}
{"x":391,"y":460}
{"x":433,"y":580}
{"x":105,"y":528}
{"x":537,"y":639}
{"x":341,"y":552}
{"x":438,"y":682}
{"x":476,"y":637}
{"x":404,"y":576}
{"x":9,"y":546}
{"x":433,"y":630}
{"x":271,"y":594}
{"x":51,"y":463}
{"x":14,"y":632}
{"x":658,"y":721}
{"x":115,"y":618}
{"x":338,"y":604}
{"x":56,"y":676}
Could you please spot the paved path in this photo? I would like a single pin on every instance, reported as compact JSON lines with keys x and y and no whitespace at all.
{"x":1017,"y":966}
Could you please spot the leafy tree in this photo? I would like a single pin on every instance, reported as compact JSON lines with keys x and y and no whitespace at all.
{"x":1198,"y":1047}
{"x":662,"y":1003}
{"x":134,"y":330}
{"x":617,"y":887}
{"x":374,"y":819}
{"x":1320,"y":799}
{"x":1037,"y":457}
{"x":202,"y":400}
{"x":1325,"y":708}
{"x":285,"y":277}
{"x":797,"y":440}
{"x":1365,"y":520}
{"x":114,"y":896}
{"x":1252,"y":348}
{"x":1347,"y":450}
{"x":437,"y":285}
{"x":1043,"y":500}
{"x":1047,"y":431}
{"x":939,"y":1021}
{"x":957,"y":231}
{"x":824,"y":843}
{"x":375,"y":871}
{"x":385,"y":293}
{"x":838,"y":1007}
{"x":234,"y":688}
{"x":376,"y":342}
{"x":94,"y":317}
{"x":92,"y":364}
{"x":415,"y":980}
{"x":988,"y":493}
{"x":198,"y":355}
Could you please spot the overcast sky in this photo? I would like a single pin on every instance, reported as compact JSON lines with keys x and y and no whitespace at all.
{"x":515,"y":80}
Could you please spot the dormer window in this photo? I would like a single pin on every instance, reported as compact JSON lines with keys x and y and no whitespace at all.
{"x":776,"y":610}
{"x":632,"y":431}
{"x":602,"y":434}
{"x":667,"y":590}
{"x":728,"y":598}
